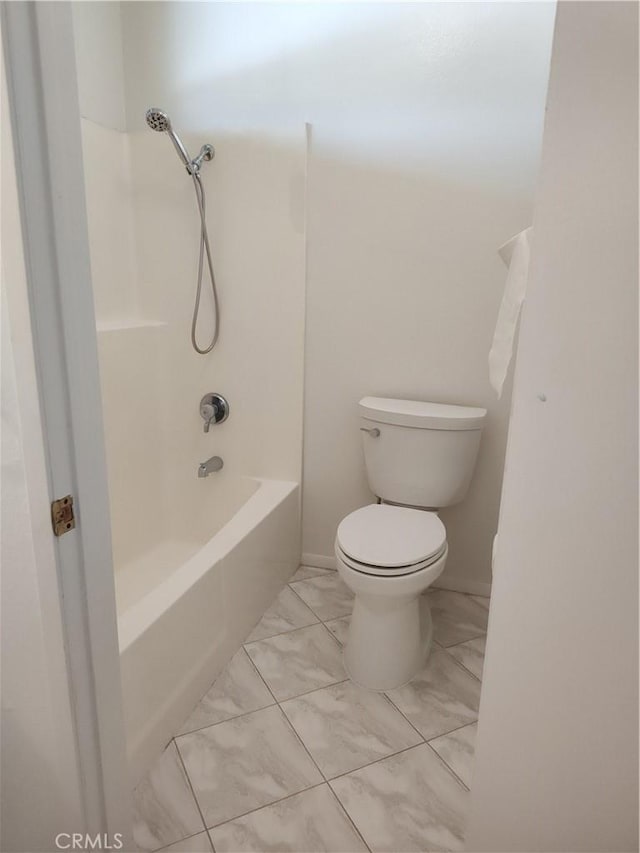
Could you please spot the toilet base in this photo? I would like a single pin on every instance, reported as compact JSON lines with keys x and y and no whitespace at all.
{"x":387,"y":645}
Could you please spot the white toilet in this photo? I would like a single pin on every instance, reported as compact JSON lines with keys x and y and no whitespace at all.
{"x":419,"y":457}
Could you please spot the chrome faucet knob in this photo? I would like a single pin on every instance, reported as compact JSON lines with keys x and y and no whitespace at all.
{"x":208,"y":411}
{"x":214,"y":409}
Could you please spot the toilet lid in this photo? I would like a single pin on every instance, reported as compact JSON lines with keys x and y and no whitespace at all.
{"x":384,"y":535}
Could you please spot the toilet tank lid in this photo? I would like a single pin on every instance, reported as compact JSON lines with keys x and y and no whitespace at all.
{"x":417,"y":413}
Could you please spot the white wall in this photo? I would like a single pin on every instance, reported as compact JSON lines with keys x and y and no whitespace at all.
{"x":404,"y":281}
{"x":129,"y":387}
{"x":40,"y":787}
{"x":99,"y":54}
{"x":426,"y":128}
{"x":557,"y":754}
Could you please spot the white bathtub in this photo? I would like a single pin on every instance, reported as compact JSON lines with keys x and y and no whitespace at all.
{"x":185,"y":608}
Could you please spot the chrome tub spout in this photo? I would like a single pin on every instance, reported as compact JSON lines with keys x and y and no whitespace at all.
{"x":211,"y":465}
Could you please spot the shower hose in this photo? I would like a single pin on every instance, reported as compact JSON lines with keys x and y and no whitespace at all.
{"x":205,"y":248}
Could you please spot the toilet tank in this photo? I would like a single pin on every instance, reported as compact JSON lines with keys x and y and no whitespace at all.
{"x":417,"y":453}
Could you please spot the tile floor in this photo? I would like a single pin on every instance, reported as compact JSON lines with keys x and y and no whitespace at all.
{"x":284,"y":753}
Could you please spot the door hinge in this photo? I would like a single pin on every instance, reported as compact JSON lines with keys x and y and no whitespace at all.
{"x":62,"y":516}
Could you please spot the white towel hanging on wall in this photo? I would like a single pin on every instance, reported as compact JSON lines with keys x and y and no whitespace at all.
{"x":515,"y":254}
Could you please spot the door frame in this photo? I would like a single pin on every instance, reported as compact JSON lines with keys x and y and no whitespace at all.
{"x":39,"y":54}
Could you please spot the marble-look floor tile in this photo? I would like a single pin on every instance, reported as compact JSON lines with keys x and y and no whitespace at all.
{"x":328,"y":596}
{"x":164,"y":810}
{"x":236,"y":691}
{"x":457,"y":749}
{"x":408,"y":802}
{"x":442,"y":697}
{"x":245,"y":763}
{"x":470,"y":655}
{"x":196,"y":844}
{"x":484,"y":600}
{"x":305,"y":572}
{"x":299,"y":661}
{"x":309,"y":822}
{"x":345,"y":727}
{"x":456,"y":617}
{"x":286,"y":613}
{"x":339,"y":628}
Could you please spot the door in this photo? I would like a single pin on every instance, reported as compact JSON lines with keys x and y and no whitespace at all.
{"x":39,"y":58}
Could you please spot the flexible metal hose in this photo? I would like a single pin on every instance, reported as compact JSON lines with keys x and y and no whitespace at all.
{"x":204,"y":248}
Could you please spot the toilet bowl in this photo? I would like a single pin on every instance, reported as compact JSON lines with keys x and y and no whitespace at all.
{"x":388,"y":556}
{"x":419,"y":457}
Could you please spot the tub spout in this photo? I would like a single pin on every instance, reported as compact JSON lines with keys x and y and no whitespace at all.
{"x":211,"y":465}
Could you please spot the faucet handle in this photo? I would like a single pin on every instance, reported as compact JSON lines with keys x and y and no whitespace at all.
{"x":214,"y":409}
{"x":208,"y":411}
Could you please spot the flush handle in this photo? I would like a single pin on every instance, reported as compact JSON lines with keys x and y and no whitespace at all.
{"x":374,"y":432}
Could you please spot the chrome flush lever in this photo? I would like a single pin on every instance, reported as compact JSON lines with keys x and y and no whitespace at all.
{"x":374,"y":432}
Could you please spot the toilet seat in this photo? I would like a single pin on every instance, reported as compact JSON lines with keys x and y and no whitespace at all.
{"x":387,"y":540}
{"x":388,"y":571}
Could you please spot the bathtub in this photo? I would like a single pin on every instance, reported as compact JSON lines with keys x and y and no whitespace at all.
{"x":185,"y":607}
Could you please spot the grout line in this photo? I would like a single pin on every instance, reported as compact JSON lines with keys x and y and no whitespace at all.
{"x":453,"y":773}
{"x":461,"y":665}
{"x":255,"y":710}
{"x":320,"y":573}
{"x":186,"y":838}
{"x":402,"y":714}
{"x":333,"y":637}
{"x":228,"y":720}
{"x":213,"y":847}
{"x":282,"y":633}
{"x":309,"y":606}
{"x":279,"y":702}
{"x":300,"y":598}
{"x":191,"y":788}
{"x":376,"y":761}
{"x":451,"y":731}
{"x":435,"y":737}
{"x":261,"y":677}
{"x":313,"y":690}
{"x":349,"y":818}
{"x":468,"y":640}
{"x":302,"y":743}
{"x":265,"y":806}
{"x":244,"y":713}
{"x":279,"y":633}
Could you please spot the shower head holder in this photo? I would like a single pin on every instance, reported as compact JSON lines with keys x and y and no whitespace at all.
{"x":207,"y":153}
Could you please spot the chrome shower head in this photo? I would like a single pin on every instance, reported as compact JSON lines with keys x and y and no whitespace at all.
{"x":158,"y":120}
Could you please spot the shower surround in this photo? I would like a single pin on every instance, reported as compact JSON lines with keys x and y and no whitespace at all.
{"x":197,"y":560}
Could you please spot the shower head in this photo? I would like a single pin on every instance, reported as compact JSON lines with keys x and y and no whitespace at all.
{"x":158,"y":120}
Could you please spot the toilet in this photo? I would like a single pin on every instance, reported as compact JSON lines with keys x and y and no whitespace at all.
{"x":419,"y":457}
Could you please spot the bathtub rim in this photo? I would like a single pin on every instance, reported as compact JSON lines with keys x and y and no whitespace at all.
{"x":139,"y":617}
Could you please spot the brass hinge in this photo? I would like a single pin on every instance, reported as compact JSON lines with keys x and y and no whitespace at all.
{"x":62,"y":515}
